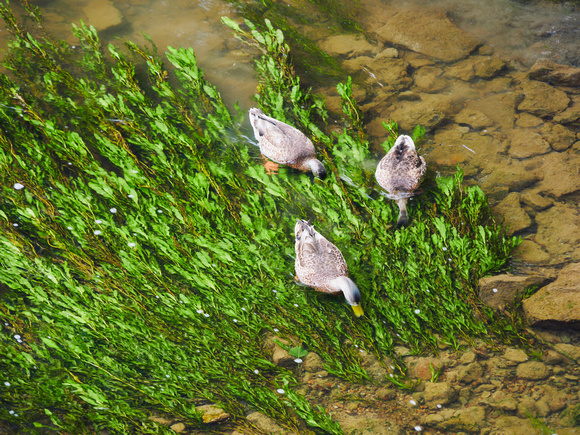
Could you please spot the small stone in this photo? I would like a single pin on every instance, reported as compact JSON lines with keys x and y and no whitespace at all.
{"x":532,"y":370}
{"x":212,"y":413}
{"x":102,"y":14}
{"x":543,"y":100}
{"x":515,"y":217}
{"x":313,"y":363}
{"x":441,"y":393}
{"x":552,"y":358}
{"x":177,"y":427}
{"x":549,"y":71}
{"x":568,"y":350}
{"x":515,"y":355}
{"x":536,"y":201}
{"x":467,"y":358}
{"x":500,"y":400}
{"x":160,"y":420}
{"x":470,"y":373}
{"x":423,"y":366}
{"x":525,"y":120}
{"x":525,"y":144}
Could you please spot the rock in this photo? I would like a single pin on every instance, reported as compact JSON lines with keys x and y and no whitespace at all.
{"x":571,"y":114}
{"x":554,"y":358}
{"x":433,"y":34}
{"x":212,"y":413}
{"x":559,"y":231}
{"x":421,"y":367}
{"x":160,"y":420}
{"x":102,"y":14}
{"x":467,"y":358}
{"x":477,"y":67}
{"x":348,"y":45}
{"x":547,"y":71}
{"x":559,"y":137}
{"x":177,"y":427}
{"x":313,"y":363}
{"x":470,"y":373}
{"x":439,"y":393}
{"x":532,"y":370}
{"x":497,"y":178}
{"x":514,"y":216}
{"x":500,"y":400}
{"x":500,"y":107}
{"x":568,"y":350}
{"x":525,"y":143}
{"x":265,"y":423}
{"x":525,"y":120}
{"x":500,"y":290}
{"x":281,"y":357}
{"x":366,"y":425}
{"x":543,"y":100}
{"x":554,"y":397}
{"x":469,"y":420}
{"x":559,"y":174}
{"x":431,"y":111}
{"x":429,"y":79}
{"x":515,"y":355}
{"x":557,"y":304}
{"x":536,"y":201}
{"x":531,"y":252}
{"x":507,"y":425}
{"x":473,"y":118}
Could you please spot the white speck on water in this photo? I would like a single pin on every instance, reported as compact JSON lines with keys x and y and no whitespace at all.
{"x":7,"y":383}
{"x":235,"y":320}
{"x":412,"y":402}
{"x":69,"y":228}
{"x":296,"y":305}
{"x":275,"y":291}
{"x":418,"y":428}
{"x":98,"y":221}
{"x":280,"y":390}
{"x":159,"y":211}
{"x":256,"y":371}
{"x":135,"y":171}
{"x":69,"y":163}
{"x":14,"y":224}
{"x":494,"y":290}
{"x":113,"y":210}
{"x":444,"y":248}
{"x":129,"y":196}
{"x":392,"y":367}
{"x":298,"y":360}
{"x":131,"y":244}
{"x":6,"y":323}
{"x":356,"y":345}
{"x":439,"y":406}
{"x":10,"y":412}
{"x":199,"y":311}
{"x":17,"y":337}
{"x":417,"y":311}
{"x":276,"y":330}
{"x":206,"y":315}
{"x":361,"y":351}
{"x":97,"y":232}
{"x":157,"y":296}
{"x":18,"y":186}
{"x":243,"y":309}
{"x":391,"y":375}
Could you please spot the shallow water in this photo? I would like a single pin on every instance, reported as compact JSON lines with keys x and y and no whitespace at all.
{"x":518,"y":34}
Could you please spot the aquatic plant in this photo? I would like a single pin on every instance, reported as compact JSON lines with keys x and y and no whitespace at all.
{"x":145,"y":254}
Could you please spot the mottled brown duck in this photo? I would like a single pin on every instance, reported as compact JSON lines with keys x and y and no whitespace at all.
{"x":400,"y":172}
{"x":285,"y":144}
{"x":320,"y":265}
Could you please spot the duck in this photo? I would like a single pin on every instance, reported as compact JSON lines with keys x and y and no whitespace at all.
{"x":319,"y":264}
{"x":285,"y":144}
{"x":400,"y":172}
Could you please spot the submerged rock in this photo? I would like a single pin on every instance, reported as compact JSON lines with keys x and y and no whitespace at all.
{"x":532,"y":370}
{"x":348,"y":45}
{"x":548,"y":71}
{"x":557,"y":304}
{"x":477,"y":67}
{"x":266,"y":424}
{"x":515,"y":217}
{"x":212,"y":413}
{"x":525,"y":143}
{"x":102,"y":14}
{"x":501,"y":290}
{"x":543,"y":100}
{"x":431,"y":111}
{"x":433,"y":33}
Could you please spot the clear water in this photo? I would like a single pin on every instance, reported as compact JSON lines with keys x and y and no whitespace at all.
{"x":518,"y":33}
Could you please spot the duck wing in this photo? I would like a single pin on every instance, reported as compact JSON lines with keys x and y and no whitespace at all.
{"x":279,"y":141}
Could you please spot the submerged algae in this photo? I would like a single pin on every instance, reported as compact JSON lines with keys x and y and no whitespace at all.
{"x":163,"y":303}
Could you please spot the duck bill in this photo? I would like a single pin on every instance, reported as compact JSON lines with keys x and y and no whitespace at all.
{"x":358,"y":311}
